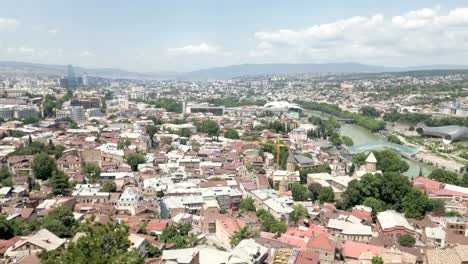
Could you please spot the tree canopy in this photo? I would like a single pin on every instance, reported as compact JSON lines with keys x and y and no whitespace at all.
{"x":232,"y":134}
{"x":92,"y":172}
{"x":59,"y":183}
{"x":270,"y":224}
{"x":406,"y":240}
{"x":299,"y":212}
{"x":247,"y":204}
{"x":326,"y":195}
{"x":60,"y":221}
{"x":134,"y":160}
{"x":101,"y":244}
{"x":43,"y":166}
{"x":241,"y":234}
{"x":444,"y":176}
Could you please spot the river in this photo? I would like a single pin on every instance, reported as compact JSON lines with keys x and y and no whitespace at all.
{"x":362,"y":136}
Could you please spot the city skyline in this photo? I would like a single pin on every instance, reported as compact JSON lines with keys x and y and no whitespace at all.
{"x":184,"y":36}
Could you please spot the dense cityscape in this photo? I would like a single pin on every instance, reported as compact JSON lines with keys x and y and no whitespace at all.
{"x":233,"y":132}
{"x":305,"y":168}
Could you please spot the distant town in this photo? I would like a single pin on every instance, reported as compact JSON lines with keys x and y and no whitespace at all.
{"x":360,"y":168}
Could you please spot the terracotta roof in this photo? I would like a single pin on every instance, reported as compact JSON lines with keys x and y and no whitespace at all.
{"x":321,"y":242}
{"x":5,"y":244}
{"x":230,"y":225}
{"x":428,"y":184}
{"x":367,"y":216}
{"x":262,"y":181}
{"x":445,"y":192}
{"x":353,"y":249}
{"x":158,"y":225}
{"x":307,"y":257}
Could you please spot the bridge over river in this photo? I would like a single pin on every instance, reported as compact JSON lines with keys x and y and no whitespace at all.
{"x":380,"y":144}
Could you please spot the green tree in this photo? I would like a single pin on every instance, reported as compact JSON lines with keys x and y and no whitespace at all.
{"x":369,"y":111}
{"x":151,"y":130}
{"x":299,"y":192}
{"x":92,"y":172}
{"x":416,"y":204}
{"x":232,"y":134}
{"x":359,"y":159}
{"x":335,"y":139}
{"x":389,"y":160}
{"x":394,"y":187}
{"x":247,"y":204}
{"x":352,"y":195}
{"x":5,"y":177}
{"x":314,"y":190}
{"x":177,"y":234}
{"x":152,"y":251}
{"x":376,"y":205}
{"x":60,"y":221}
{"x":326,"y":195}
{"x":406,"y":240}
{"x":438,"y":206}
{"x":377,"y":260}
{"x":109,"y":186}
{"x":444,"y":176}
{"x":8,"y":229}
{"x":184,"y":132}
{"x":299,"y":212}
{"x":43,"y":166}
{"x":123,"y":143}
{"x":393,"y":139}
{"x":102,"y":244}
{"x":155,"y":120}
{"x":464,"y":180}
{"x":269,"y":224}
{"x":209,"y":127}
{"x":134,"y":160}
{"x":347,"y":140}
{"x":60,"y":183}
{"x":241,"y":234}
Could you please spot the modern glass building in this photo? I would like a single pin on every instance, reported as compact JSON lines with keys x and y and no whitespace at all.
{"x":72,"y":84}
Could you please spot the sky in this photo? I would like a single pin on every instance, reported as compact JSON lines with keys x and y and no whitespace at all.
{"x":177,"y":35}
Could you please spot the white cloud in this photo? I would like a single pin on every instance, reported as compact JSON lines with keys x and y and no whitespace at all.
{"x":87,"y":53}
{"x":8,"y":23}
{"x":417,"y":33}
{"x":26,"y":50}
{"x":53,"y":31}
{"x":199,"y":49}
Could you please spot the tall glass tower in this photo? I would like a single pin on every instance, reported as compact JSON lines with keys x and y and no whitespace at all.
{"x":71,"y":78}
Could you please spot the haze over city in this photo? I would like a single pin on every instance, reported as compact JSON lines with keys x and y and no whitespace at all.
{"x":155,"y":36}
{"x":233,"y":132}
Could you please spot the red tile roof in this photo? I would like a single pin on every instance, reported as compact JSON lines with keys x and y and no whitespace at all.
{"x":307,"y":257}
{"x":5,"y":244}
{"x":367,"y":216}
{"x":230,"y":225}
{"x":429,"y":185}
{"x":353,"y":249}
{"x":321,"y":242}
{"x":158,"y":225}
{"x":445,"y":192}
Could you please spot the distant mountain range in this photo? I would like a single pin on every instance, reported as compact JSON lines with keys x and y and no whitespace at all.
{"x":227,"y":72}
{"x":26,"y":68}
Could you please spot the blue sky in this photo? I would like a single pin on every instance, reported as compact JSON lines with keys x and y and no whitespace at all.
{"x":150,"y":36}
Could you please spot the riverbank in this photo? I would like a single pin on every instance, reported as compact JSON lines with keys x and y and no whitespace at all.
{"x":362,"y":136}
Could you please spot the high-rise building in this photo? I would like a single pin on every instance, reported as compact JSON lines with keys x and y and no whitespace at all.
{"x":85,"y":79}
{"x":71,"y":78}
{"x":64,"y":82}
